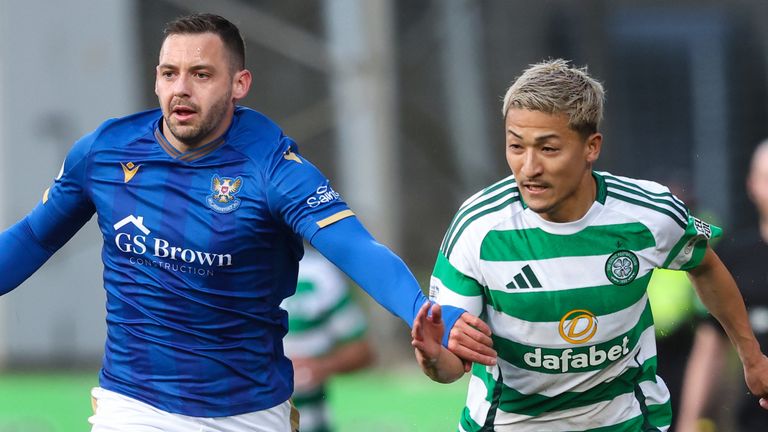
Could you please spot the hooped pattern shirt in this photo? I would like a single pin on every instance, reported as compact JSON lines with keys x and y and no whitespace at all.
{"x":567,"y":305}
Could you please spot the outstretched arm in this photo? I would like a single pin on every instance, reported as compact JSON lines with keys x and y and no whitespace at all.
{"x":385,"y":277}
{"x":27,"y":245}
{"x":21,"y":254}
{"x":65,"y":208}
{"x":435,"y":360}
{"x":719,"y":293}
{"x":378,"y":271}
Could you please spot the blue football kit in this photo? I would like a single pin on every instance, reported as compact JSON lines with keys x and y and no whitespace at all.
{"x":200,"y":248}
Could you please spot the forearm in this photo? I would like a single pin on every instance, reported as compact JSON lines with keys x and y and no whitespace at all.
{"x":445,"y":368}
{"x":719,"y":293}
{"x":348,"y":357}
{"x":21,"y":254}
{"x":378,"y":271}
{"x":704,"y":365}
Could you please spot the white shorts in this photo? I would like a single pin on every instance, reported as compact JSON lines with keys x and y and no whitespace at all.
{"x":114,"y":412}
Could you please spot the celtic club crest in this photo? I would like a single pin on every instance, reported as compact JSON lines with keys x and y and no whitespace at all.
{"x":622,"y":267}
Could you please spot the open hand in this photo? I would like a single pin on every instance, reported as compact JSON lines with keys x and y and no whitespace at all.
{"x":427,"y":332}
{"x":470,"y":339}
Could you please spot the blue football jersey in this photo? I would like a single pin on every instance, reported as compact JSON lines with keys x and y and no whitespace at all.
{"x":200,"y":248}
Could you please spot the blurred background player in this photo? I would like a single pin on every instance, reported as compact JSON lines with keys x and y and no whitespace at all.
{"x":326,"y":336}
{"x":745,"y":253}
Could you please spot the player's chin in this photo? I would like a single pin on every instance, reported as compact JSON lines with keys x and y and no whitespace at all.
{"x":536,"y":203}
{"x":540,"y":207}
{"x":185,"y":131}
{"x":188,"y":122}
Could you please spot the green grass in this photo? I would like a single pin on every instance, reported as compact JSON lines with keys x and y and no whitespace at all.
{"x":45,"y":402}
{"x":373,"y":401}
{"x":402,"y":401}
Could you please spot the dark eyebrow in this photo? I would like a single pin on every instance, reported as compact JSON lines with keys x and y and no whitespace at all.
{"x":193,"y":68}
{"x":518,"y":136}
{"x":546,"y":137}
{"x":538,"y":139}
{"x":202,"y":66}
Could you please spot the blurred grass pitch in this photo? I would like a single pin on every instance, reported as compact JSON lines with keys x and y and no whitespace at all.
{"x":402,"y":400}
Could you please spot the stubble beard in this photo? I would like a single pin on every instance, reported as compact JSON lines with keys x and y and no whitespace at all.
{"x":550,"y":206}
{"x":192,"y":134}
{"x":557,"y":205}
{"x":542,"y":210}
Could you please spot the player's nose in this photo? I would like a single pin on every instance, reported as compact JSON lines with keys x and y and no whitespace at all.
{"x":181,"y":85}
{"x":531,"y":166}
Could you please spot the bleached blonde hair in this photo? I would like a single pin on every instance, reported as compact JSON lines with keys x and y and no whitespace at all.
{"x":556,"y":87}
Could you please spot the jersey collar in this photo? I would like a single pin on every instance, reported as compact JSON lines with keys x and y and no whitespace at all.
{"x":188,"y":156}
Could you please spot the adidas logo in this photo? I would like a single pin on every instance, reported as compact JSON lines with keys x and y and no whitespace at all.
{"x":525,"y":279}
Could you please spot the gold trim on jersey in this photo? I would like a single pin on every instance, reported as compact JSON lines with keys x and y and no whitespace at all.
{"x":335,"y":218}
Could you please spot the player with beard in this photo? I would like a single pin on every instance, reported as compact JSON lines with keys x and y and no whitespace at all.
{"x":203,"y":205}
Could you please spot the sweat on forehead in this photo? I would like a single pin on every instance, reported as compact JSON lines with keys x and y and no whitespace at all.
{"x":206,"y":48}
{"x":227,"y":32}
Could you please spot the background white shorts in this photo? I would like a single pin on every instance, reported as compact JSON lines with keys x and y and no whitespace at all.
{"x":114,"y":412}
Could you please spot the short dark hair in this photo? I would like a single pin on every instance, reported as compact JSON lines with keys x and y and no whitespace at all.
{"x":211,"y":23}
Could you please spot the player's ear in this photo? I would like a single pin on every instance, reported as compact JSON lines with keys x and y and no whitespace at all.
{"x":241,"y":84}
{"x":593,"y":145}
{"x":157,"y":74}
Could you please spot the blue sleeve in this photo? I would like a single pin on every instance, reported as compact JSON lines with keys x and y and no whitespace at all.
{"x":66,"y":206}
{"x":299,"y":194}
{"x":21,"y":253}
{"x":64,"y":209}
{"x":381,"y":273}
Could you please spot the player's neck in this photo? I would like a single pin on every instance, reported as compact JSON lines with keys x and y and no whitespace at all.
{"x":184,"y":146}
{"x":585,"y":197}
{"x":577,"y":205}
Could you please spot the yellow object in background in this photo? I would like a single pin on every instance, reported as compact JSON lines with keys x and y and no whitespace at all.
{"x":673,"y":300}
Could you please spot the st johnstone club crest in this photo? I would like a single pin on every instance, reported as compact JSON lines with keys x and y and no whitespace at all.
{"x":223,"y":199}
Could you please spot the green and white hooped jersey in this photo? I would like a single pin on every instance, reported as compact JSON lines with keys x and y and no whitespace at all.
{"x":567,"y":305}
{"x":321,"y":315}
